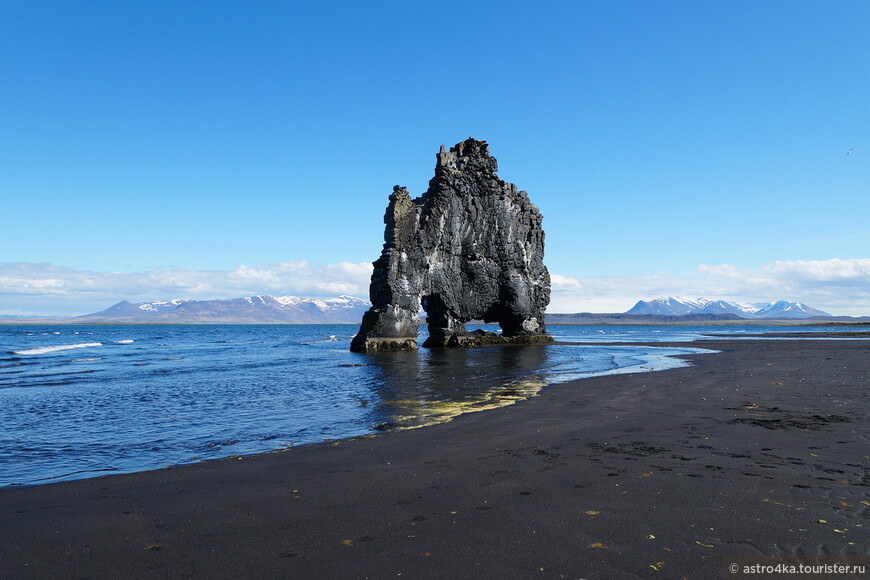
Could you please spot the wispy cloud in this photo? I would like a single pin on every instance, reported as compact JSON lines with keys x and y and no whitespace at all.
{"x":27,"y":288}
{"x":839,"y":286}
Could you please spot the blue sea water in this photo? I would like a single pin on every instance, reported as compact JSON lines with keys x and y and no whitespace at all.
{"x":82,"y":401}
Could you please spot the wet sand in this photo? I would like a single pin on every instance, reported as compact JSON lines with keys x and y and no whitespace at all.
{"x":762,"y":449}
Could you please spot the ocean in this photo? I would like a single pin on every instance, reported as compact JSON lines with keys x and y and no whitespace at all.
{"x":84,"y":401}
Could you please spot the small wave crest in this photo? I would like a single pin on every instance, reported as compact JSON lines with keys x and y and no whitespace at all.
{"x":51,"y":349}
{"x":330,"y":338}
{"x":128,"y":341}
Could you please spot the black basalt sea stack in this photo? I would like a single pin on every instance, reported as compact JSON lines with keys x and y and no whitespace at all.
{"x":470,"y":248}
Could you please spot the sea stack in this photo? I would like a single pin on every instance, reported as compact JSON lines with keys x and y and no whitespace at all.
{"x":470,"y":248}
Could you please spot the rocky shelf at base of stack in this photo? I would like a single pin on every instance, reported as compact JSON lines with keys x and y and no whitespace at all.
{"x":470,"y":248}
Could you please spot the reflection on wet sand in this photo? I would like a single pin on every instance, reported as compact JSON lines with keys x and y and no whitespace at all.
{"x":419,"y":388}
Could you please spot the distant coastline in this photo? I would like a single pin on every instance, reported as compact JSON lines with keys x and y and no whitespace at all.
{"x":592,"y":318}
{"x":344,"y":309}
{"x":559,"y":319}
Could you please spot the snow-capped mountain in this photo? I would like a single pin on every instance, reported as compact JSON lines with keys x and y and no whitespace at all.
{"x":676,"y":306}
{"x":250,"y":310}
{"x":126,"y":309}
{"x":785,"y":309}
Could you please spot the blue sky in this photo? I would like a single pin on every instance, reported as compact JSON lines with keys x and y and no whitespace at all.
{"x":219,"y":149}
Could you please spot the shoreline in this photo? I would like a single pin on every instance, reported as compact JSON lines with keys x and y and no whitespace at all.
{"x":746,"y":452}
{"x":399,"y":410}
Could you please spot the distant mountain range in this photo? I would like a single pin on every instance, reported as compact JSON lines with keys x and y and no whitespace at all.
{"x":676,"y":306}
{"x":251,"y":310}
{"x":349,"y":310}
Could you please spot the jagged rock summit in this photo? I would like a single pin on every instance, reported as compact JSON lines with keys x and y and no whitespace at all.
{"x":470,"y":248}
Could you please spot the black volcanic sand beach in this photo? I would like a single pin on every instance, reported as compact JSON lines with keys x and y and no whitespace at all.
{"x":762,"y":449}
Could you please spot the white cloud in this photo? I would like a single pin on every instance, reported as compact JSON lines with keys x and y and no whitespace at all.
{"x":838,"y":286}
{"x":15,"y":285}
{"x":27,"y":288}
{"x":851,"y":272}
{"x":564,"y":283}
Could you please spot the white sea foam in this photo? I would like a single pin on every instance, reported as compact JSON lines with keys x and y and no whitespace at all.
{"x":331,"y":338}
{"x":123,"y":341}
{"x":50,"y":349}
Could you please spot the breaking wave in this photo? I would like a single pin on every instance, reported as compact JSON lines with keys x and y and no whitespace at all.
{"x":51,"y":349}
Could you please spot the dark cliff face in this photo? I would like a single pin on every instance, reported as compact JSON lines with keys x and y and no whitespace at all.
{"x":471,"y":247}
